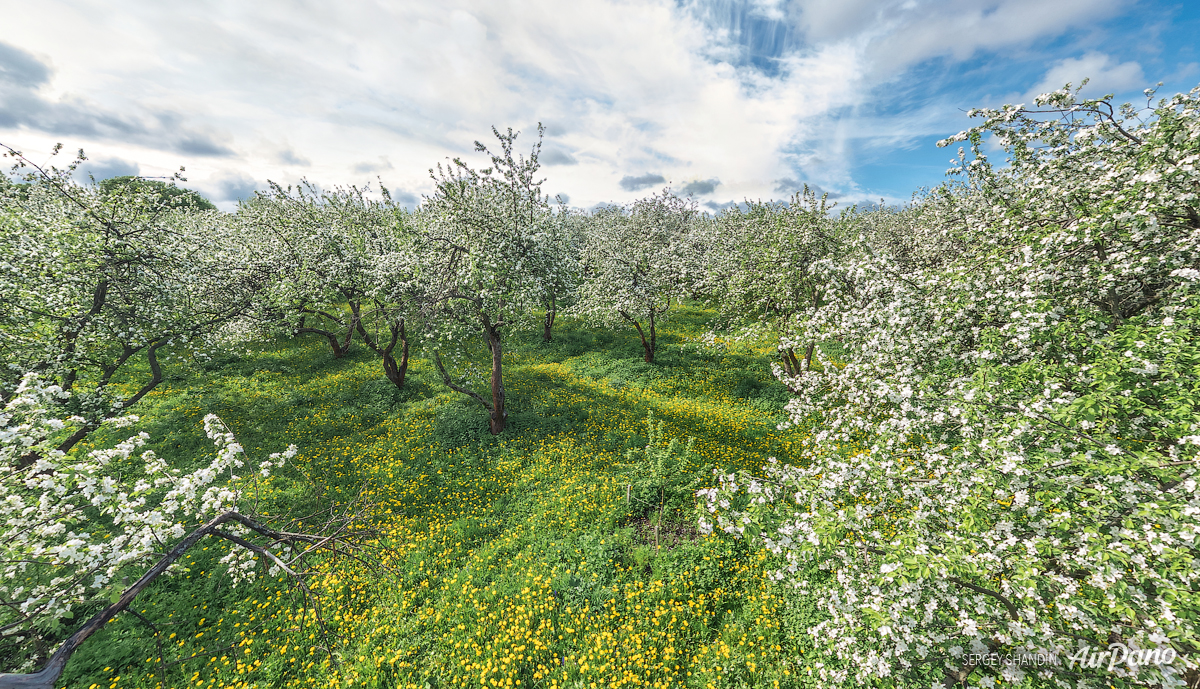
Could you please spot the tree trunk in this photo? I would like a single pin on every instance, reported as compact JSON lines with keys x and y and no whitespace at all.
{"x":653,"y":337}
{"x":340,"y":347}
{"x":551,"y":313}
{"x":788,"y":357}
{"x":647,"y":347}
{"x":497,"y":413}
{"x":395,"y":371}
{"x":792,"y":365}
{"x":498,"y":417}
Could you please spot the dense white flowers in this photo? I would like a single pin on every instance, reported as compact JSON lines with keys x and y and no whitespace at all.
{"x":71,"y":525}
{"x":1004,"y":455}
{"x":94,"y":279}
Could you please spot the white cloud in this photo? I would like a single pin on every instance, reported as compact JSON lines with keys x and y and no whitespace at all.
{"x":370,"y":166}
{"x":896,"y":34}
{"x":631,"y":88}
{"x":1105,"y":76}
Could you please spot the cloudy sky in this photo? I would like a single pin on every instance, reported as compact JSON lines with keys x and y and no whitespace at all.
{"x":723,"y":99}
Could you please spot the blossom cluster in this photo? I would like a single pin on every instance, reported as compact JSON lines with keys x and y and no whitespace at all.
{"x":74,"y":527}
{"x":1005,"y":404}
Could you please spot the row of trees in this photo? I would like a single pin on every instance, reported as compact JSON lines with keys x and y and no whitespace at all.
{"x":99,"y":277}
{"x":1001,"y":376}
{"x":105,"y":285}
{"x":93,"y":279}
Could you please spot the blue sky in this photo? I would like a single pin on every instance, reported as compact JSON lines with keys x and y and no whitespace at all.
{"x":728,"y":99}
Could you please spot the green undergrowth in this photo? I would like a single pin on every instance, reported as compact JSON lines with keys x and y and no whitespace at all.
{"x":558,"y":554}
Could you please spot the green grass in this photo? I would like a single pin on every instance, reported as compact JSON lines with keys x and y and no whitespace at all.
{"x":511,"y":560}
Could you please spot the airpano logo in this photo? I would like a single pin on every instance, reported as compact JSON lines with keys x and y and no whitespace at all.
{"x":1118,"y":654}
{"x":1087,"y":657}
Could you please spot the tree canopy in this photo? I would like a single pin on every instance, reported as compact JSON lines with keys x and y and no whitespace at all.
{"x":165,"y":193}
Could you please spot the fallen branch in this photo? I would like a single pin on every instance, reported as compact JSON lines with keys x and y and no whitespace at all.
{"x":47,"y":677}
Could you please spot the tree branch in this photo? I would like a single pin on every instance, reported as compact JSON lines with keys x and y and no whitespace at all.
{"x":437,"y":357}
{"x":53,"y":669}
{"x":1012,"y":609}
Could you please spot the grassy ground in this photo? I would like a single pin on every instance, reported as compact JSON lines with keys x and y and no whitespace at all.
{"x":512,"y":561}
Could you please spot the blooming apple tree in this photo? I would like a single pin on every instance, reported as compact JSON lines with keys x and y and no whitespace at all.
{"x":91,"y":281}
{"x":346,"y":261}
{"x":631,"y":267}
{"x":486,"y":267}
{"x":558,"y":243}
{"x":396,"y":291}
{"x":1004,"y":455}
{"x":759,"y":267}
{"x":314,"y":241}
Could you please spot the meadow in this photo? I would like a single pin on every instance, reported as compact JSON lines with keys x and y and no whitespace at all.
{"x":523,"y":559}
{"x":990,"y":398}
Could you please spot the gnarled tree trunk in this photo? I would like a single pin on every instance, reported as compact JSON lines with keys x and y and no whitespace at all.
{"x":649,"y":346}
{"x":340,"y":344}
{"x":497,"y":411}
{"x":394,"y":370}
